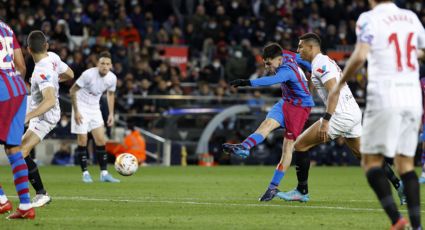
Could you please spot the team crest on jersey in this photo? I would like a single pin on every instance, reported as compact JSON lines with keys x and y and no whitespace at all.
{"x":321,"y":70}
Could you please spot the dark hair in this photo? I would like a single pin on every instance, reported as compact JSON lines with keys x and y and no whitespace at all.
{"x":311,"y":37}
{"x":105,"y":54}
{"x":37,"y":41}
{"x":272,"y":50}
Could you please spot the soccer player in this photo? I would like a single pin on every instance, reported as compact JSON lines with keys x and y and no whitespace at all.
{"x":291,"y":112}
{"x":422,"y":178}
{"x":86,"y":114}
{"x":346,"y":122}
{"x":12,"y":112}
{"x":388,"y":37}
{"x":44,"y":111}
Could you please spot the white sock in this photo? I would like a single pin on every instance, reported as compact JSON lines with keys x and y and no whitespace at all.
{"x":104,"y":172}
{"x":25,"y":206}
{"x":423,"y":174}
{"x":86,"y":173}
{"x":3,"y":199}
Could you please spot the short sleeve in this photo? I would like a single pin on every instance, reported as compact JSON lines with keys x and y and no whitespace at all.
{"x":43,"y":80}
{"x":112,"y":87}
{"x":82,"y":80}
{"x":365,"y":30}
{"x":322,"y":70}
{"x":421,"y":33}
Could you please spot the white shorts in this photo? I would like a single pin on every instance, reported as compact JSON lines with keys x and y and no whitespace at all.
{"x":41,"y":127}
{"x":391,"y":131}
{"x":348,"y":125}
{"x":92,"y":119}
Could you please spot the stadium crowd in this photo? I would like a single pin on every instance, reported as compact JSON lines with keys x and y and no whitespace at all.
{"x":224,"y":39}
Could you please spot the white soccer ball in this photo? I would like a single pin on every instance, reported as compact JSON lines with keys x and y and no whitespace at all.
{"x":126,"y":164}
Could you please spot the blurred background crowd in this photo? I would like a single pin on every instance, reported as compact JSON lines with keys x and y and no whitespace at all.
{"x":224,"y":40}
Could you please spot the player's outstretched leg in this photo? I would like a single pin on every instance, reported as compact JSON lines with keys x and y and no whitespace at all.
{"x":5,"y":204}
{"x":302,"y":166}
{"x":411,"y":189}
{"x":20,"y":177}
{"x":398,"y":185}
{"x":81,"y":152}
{"x":41,"y":196}
{"x":102,"y":157}
{"x":243,"y":148}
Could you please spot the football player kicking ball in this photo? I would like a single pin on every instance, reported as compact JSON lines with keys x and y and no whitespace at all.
{"x":345,"y":122}
{"x":390,"y":39}
{"x":44,"y":110}
{"x":86,"y":114}
{"x":291,"y":112}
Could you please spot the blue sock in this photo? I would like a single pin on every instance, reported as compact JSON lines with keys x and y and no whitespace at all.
{"x":253,"y":140}
{"x":1,"y":191}
{"x":277,"y":177}
{"x":20,"y":177}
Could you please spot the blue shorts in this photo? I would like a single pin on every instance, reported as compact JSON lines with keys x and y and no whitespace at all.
{"x":13,"y":104}
{"x":276,"y":113}
{"x":423,"y":133}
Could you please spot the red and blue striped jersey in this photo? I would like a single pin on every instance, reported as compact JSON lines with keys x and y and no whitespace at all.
{"x":292,"y":81}
{"x":9,"y":78}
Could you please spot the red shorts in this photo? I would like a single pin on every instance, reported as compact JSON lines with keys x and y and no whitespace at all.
{"x":295,"y":118}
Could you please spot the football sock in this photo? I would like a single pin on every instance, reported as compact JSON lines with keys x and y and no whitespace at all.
{"x":253,"y":140}
{"x":277,"y":177}
{"x":423,"y":163}
{"x":3,"y":197}
{"x":389,"y":173}
{"x":20,"y":178}
{"x":81,"y":152}
{"x":34,"y":176}
{"x":102,"y":157}
{"x":411,"y":189}
{"x":302,"y":166}
{"x":381,"y":187}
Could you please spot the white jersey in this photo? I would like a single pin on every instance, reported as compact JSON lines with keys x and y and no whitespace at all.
{"x":46,"y":74}
{"x":92,"y":86}
{"x":393,"y":34}
{"x":323,"y":69}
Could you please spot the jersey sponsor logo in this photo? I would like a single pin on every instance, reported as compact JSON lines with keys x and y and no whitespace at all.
{"x":44,"y":77}
{"x":322,"y":70}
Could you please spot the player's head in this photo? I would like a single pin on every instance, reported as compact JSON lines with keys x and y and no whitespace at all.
{"x":309,"y":46}
{"x":37,"y":42}
{"x":104,"y":63}
{"x":272,"y":56}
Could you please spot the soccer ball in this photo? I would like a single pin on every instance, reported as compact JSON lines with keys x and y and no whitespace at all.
{"x":126,"y":164}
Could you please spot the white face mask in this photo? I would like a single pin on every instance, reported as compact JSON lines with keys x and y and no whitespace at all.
{"x":64,"y":123}
{"x":238,"y":54}
{"x":216,"y":64}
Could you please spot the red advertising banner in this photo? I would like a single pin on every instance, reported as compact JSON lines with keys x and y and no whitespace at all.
{"x":178,"y":56}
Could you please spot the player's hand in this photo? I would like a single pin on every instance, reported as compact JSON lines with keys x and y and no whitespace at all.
{"x":240,"y":82}
{"x":111,"y":120}
{"x":78,"y":118}
{"x":323,"y":129}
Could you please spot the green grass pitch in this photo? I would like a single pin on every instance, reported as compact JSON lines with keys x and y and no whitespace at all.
{"x":202,"y":198}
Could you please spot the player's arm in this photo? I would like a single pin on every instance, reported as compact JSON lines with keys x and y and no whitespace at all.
{"x":67,"y":75}
{"x":49,"y":100}
{"x":18,"y":58}
{"x":281,"y":76}
{"x":73,"y":94}
{"x":303,"y":63}
{"x":324,"y":125}
{"x":110,"y":97}
{"x":357,"y":60}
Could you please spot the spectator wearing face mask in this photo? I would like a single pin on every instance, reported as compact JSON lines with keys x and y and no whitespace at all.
{"x":236,"y":66}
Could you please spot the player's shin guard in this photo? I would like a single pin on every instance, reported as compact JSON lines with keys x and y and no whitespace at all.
{"x":81,"y":152}
{"x":411,"y":189}
{"x":302,"y":166}
{"x":389,"y":173}
{"x":253,"y":140}
{"x":277,"y":177}
{"x":381,"y":187}
{"x":34,"y":176}
{"x":20,"y":178}
{"x":102,"y":157}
